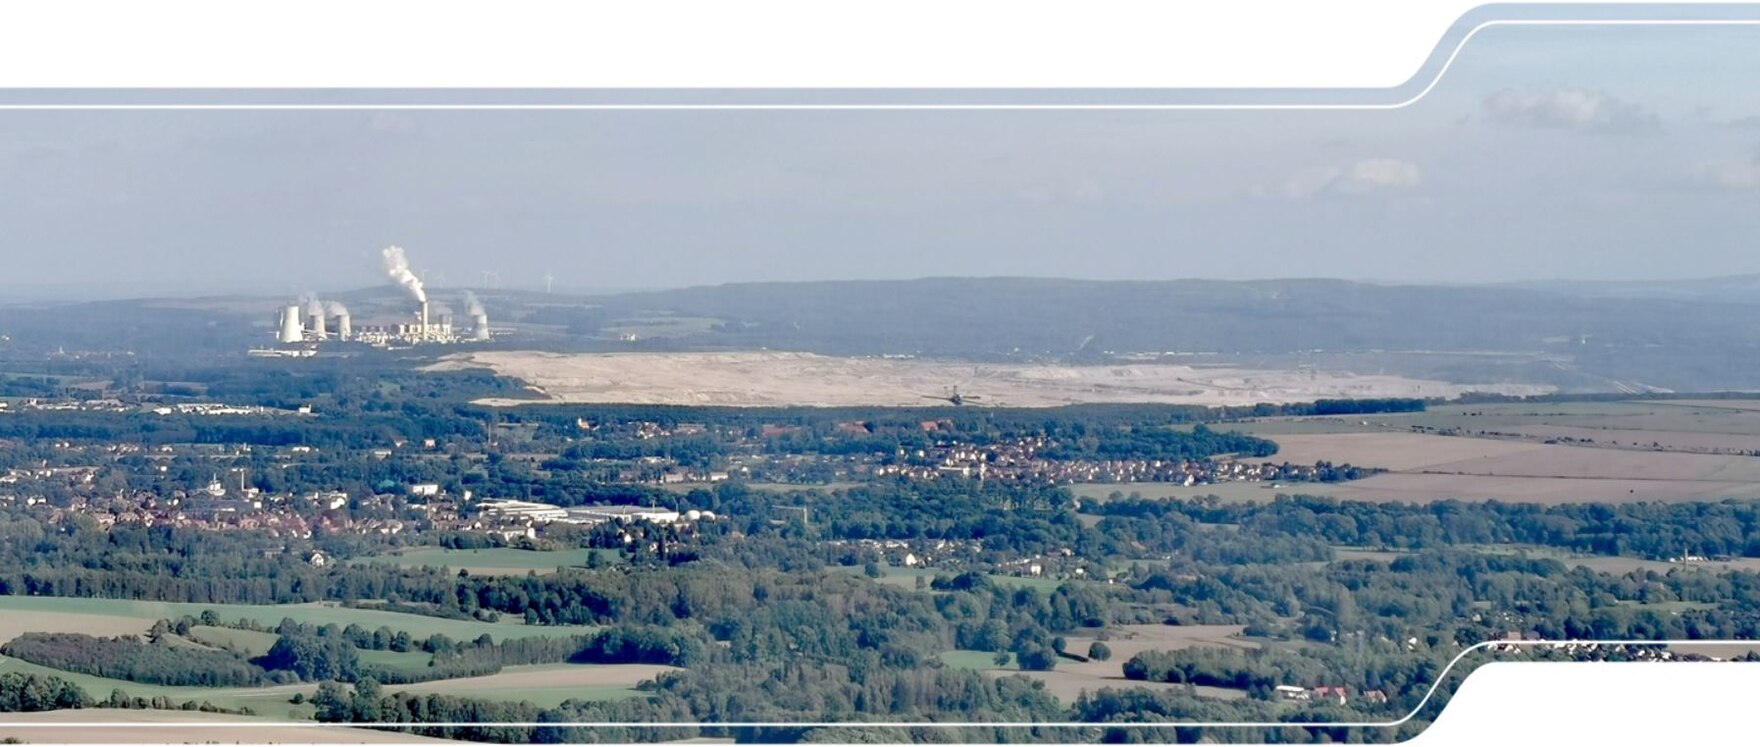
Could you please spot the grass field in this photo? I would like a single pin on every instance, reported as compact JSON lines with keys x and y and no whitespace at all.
{"x":265,"y":701}
{"x":402,"y":661}
{"x":1129,"y":640}
{"x":1070,"y":678}
{"x":548,"y":685}
{"x":495,"y":561}
{"x":419,"y":626}
{"x":247,"y":642}
{"x":980,"y":660}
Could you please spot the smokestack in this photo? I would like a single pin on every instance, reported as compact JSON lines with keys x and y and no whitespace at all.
{"x":422,"y":329}
{"x":290,"y":330}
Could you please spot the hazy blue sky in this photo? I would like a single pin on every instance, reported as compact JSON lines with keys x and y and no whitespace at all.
{"x":1556,"y":153}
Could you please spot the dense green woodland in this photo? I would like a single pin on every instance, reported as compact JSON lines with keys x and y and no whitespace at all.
{"x":769,"y":628}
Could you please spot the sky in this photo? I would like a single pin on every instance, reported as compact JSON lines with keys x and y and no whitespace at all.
{"x":1573,"y":153}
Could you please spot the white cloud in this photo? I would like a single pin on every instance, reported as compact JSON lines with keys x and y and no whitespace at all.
{"x":1732,"y":174}
{"x":1569,"y":109}
{"x":1367,"y":176}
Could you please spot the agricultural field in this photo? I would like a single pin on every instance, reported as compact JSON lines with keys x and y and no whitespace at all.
{"x":1234,"y":492}
{"x":15,"y":622}
{"x":1550,"y":453}
{"x":1713,"y":650}
{"x":145,"y":613}
{"x":548,"y":685}
{"x":494,"y":561}
{"x":1424,"y":488}
{"x":184,"y":727}
{"x":1398,"y":451}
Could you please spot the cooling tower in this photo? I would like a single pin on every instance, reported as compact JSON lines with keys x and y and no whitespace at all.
{"x":422,"y":327}
{"x":290,"y":330}
{"x":343,"y":330}
{"x":317,"y":324}
{"x":480,"y":327}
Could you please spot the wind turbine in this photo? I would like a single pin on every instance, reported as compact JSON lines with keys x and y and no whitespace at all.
{"x":548,"y":279}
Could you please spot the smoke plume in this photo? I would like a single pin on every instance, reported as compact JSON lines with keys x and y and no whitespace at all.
{"x":472,"y":305}
{"x":397,"y":266}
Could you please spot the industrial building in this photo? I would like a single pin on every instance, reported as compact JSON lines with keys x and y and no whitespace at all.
{"x":529,"y":512}
{"x":309,"y":320}
{"x":302,"y":324}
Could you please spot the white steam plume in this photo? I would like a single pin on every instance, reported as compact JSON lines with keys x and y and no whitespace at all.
{"x":472,"y":305}
{"x":314,"y":307}
{"x":336,"y":308}
{"x":397,"y":266}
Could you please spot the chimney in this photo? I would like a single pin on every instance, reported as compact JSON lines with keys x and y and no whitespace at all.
{"x":343,"y":330}
{"x":480,"y":327}
{"x":317,"y":323}
{"x":422,"y":328}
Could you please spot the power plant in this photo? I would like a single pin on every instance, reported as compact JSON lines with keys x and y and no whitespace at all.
{"x":309,"y":320}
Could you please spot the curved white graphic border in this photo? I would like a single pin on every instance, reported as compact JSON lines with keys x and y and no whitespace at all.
{"x":1448,"y":62}
{"x":1435,"y":79}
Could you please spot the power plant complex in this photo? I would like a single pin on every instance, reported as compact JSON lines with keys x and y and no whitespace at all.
{"x":313,"y":321}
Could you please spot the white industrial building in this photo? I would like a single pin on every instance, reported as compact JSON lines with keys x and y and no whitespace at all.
{"x":541,"y":513}
{"x":625,"y":513}
{"x":521,"y":510}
